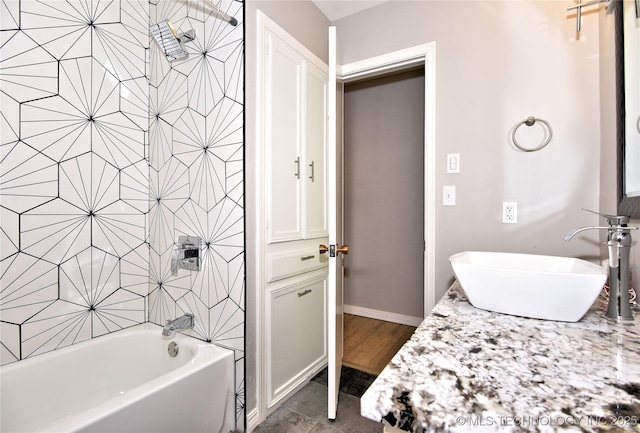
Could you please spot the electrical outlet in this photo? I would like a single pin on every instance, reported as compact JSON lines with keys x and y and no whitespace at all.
{"x":449,"y":195}
{"x":509,"y":212}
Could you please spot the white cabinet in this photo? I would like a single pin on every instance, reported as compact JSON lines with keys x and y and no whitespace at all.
{"x":283,"y":141}
{"x":297,"y":332}
{"x":295,"y":138}
{"x":291,"y":262}
{"x":316,"y":153}
{"x":291,"y":275}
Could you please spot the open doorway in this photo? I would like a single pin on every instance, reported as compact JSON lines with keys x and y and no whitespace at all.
{"x":384,"y":202}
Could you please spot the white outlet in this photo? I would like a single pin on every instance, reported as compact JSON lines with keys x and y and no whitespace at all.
{"x":449,"y":195}
{"x":509,"y":212}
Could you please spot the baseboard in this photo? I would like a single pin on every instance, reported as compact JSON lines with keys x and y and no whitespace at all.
{"x":252,"y":419}
{"x":295,"y":384}
{"x":383,"y":315}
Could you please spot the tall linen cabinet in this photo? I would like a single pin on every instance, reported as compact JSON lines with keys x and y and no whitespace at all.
{"x":292,"y":275}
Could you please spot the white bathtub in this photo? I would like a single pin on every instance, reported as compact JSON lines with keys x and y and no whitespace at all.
{"x":122,"y":382}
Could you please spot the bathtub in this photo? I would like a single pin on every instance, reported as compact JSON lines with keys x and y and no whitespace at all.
{"x":122,"y":382}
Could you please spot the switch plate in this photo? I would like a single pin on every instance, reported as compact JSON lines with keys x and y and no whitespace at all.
{"x":449,"y":195}
{"x":509,"y":212}
{"x":453,"y":163}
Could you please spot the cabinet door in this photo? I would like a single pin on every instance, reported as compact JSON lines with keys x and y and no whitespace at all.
{"x":283,"y":140}
{"x":297,"y":335}
{"x":315,"y":152}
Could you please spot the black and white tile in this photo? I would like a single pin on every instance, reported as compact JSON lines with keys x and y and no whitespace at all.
{"x":108,"y":153}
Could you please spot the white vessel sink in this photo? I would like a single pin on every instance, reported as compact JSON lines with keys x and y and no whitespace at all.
{"x":528,"y":285}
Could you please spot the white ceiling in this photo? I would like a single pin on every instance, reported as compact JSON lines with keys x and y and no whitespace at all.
{"x":336,"y":9}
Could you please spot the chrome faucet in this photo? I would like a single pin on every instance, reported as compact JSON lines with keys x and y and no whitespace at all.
{"x":184,"y":322}
{"x":619,"y":246}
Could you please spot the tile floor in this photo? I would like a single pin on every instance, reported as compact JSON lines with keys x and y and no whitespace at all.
{"x":306,"y":411}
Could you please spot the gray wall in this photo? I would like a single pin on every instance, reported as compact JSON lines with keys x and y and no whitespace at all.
{"x":497,"y":63}
{"x":384,"y":193}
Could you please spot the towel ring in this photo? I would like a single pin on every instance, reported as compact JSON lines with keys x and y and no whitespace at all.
{"x":530,"y":121}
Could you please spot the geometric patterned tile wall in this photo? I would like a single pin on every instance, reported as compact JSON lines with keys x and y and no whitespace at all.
{"x":196,"y":178}
{"x":73,"y":172}
{"x":108,"y":153}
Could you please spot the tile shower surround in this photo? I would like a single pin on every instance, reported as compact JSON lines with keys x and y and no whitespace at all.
{"x":108,"y":154}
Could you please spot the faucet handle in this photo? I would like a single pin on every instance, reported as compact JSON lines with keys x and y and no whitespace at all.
{"x":612,"y":220}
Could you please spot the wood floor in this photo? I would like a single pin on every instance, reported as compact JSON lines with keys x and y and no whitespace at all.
{"x":369,"y":344}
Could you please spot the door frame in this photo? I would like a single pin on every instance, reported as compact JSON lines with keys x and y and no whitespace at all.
{"x":392,"y":62}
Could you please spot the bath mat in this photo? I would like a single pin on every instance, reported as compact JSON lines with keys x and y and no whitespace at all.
{"x":353,"y":382}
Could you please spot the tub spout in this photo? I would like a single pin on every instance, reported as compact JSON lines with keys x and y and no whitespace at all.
{"x":184,"y":322}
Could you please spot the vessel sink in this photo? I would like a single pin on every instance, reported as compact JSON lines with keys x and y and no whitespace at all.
{"x":529,"y":285}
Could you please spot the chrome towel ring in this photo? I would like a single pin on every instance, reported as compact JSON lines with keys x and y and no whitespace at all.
{"x":530,"y":121}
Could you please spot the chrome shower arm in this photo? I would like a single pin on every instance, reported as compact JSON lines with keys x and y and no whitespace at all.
{"x":231,"y":20}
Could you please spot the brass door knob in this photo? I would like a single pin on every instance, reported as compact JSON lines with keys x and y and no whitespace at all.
{"x":343,"y":249}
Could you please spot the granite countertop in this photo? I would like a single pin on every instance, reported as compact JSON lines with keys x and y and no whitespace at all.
{"x":467,"y":369}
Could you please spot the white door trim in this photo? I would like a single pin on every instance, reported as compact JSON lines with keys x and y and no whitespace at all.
{"x":335,"y":311}
{"x":398,"y":60}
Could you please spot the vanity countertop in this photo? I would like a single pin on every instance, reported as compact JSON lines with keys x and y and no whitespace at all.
{"x":467,"y":369}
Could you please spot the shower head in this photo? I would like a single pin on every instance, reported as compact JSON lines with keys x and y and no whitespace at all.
{"x":170,"y":41}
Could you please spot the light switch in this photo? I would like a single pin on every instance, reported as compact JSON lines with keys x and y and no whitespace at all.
{"x":449,"y":195}
{"x":453,"y":163}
